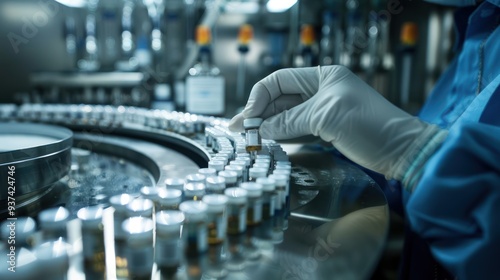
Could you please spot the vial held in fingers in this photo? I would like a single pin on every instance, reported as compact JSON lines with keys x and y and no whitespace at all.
{"x":253,"y":140}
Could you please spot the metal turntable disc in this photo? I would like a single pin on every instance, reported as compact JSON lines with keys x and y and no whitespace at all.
{"x":32,"y":157}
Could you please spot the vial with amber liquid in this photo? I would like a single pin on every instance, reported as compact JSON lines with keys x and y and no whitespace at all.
{"x":252,"y":136}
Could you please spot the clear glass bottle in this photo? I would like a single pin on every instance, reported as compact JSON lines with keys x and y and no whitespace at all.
{"x":139,"y":249}
{"x":280,"y":181}
{"x":205,"y":85}
{"x":254,"y":210}
{"x":230,"y":177}
{"x":207,"y":172}
{"x":195,"y":178}
{"x":195,"y":227}
{"x":169,"y":199}
{"x":238,"y":169}
{"x":92,"y":238}
{"x":119,"y":203}
{"x":269,"y":195}
{"x":53,"y":223}
{"x":216,"y":185}
{"x":53,"y":259}
{"x":175,"y":183}
{"x":140,"y":207}
{"x":236,"y":210}
{"x":194,"y":191}
{"x":151,"y":193}
{"x":218,"y":165}
{"x":168,"y":247}
{"x":252,"y":135}
{"x":216,"y":217}
{"x":256,"y":172}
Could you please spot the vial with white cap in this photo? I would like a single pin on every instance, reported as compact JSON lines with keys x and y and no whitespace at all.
{"x":269,"y":196}
{"x":195,"y":178}
{"x":92,"y":238}
{"x":169,"y":199}
{"x":254,"y":210}
{"x":238,"y":169}
{"x":195,"y":227}
{"x":215,"y":185}
{"x":245,"y":164}
{"x":53,"y":259}
{"x":252,"y":135}
{"x":216,"y":164}
{"x":53,"y":223}
{"x":217,"y":223}
{"x":194,"y":191}
{"x":168,"y":247}
{"x":119,"y":203}
{"x":236,"y":210}
{"x":175,"y":183}
{"x":256,"y":172}
{"x":230,"y":177}
{"x":139,"y":249}
{"x":140,"y":207}
{"x":207,"y":172}
{"x":280,"y":181}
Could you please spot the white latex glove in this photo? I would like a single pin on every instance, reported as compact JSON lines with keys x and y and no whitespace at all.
{"x":334,"y":104}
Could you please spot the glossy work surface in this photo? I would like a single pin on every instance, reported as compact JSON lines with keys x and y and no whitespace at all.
{"x":335,"y":229}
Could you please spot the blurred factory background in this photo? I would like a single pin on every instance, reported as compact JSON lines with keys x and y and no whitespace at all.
{"x":139,"y":52}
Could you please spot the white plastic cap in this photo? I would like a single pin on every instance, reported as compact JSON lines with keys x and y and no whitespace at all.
{"x":216,"y":183}
{"x":230,"y":176}
{"x":54,"y":254}
{"x":236,"y":195}
{"x":90,"y":216}
{"x":193,"y":210}
{"x":215,"y":202}
{"x":268,"y":184}
{"x":207,"y":172}
{"x":280,"y":179}
{"x":175,"y":183}
{"x":53,"y":217}
{"x":120,"y":201}
{"x":238,"y":169}
{"x":216,"y":164}
{"x":194,"y":189}
{"x":150,"y":192}
{"x":195,"y":178}
{"x":140,"y":207}
{"x":169,"y":196}
{"x":138,"y":228}
{"x":169,"y":220}
{"x":253,"y":189}
{"x":252,"y":122}
{"x":257,"y":172}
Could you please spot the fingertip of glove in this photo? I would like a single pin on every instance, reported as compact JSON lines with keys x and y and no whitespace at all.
{"x":236,"y":123}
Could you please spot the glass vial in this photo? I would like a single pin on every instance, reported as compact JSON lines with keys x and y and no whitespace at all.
{"x":53,"y":259}
{"x":175,"y":183}
{"x":140,"y":207}
{"x":231,"y":178}
{"x":254,"y":210}
{"x":92,"y":238}
{"x":256,"y":172}
{"x":194,"y":191}
{"x":168,"y":247}
{"x":216,"y":185}
{"x":217,"y":223}
{"x":169,"y":199}
{"x":239,"y":173}
{"x":195,"y":227}
{"x":269,"y":196}
{"x":139,"y":249}
{"x":53,"y":223}
{"x":119,"y":203}
{"x":236,"y":210}
{"x":252,"y":135}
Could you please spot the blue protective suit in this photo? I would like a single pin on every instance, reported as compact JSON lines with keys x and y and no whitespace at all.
{"x":454,"y":212}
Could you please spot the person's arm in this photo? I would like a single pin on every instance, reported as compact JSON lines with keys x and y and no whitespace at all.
{"x":456,"y":205}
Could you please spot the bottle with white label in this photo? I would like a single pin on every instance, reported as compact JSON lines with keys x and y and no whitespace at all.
{"x":204,"y":84}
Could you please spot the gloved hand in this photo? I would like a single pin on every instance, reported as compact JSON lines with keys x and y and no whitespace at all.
{"x":334,"y":104}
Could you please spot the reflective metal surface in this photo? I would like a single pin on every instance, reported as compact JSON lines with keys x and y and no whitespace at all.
{"x":40,"y":154}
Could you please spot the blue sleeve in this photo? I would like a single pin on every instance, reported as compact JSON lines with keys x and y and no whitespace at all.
{"x":456,"y":205}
